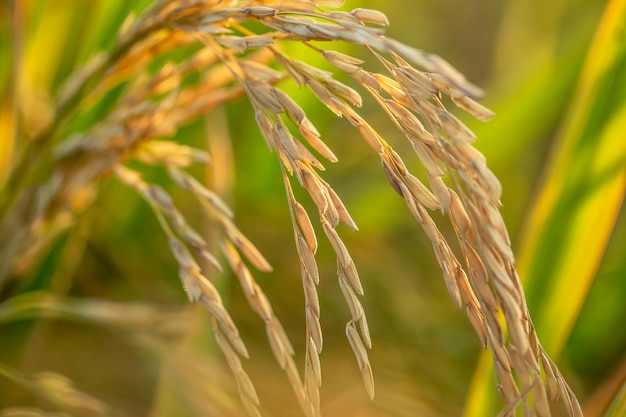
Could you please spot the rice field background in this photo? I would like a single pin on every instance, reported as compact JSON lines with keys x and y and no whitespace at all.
{"x":100,"y":326}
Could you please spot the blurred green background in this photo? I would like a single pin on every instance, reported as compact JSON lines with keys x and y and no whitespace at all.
{"x":554,"y":73}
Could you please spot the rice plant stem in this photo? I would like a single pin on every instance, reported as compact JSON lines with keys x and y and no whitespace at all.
{"x":24,"y":170}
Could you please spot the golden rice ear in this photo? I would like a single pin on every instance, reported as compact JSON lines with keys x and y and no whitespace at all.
{"x":52,"y":185}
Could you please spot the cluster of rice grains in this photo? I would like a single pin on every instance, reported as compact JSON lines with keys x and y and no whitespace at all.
{"x":481,"y":278}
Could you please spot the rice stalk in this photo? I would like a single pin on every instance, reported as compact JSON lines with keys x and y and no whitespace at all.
{"x":56,"y":390}
{"x":42,"y":200}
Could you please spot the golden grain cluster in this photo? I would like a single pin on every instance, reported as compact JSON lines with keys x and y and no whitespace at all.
{"x":414,"y":91}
